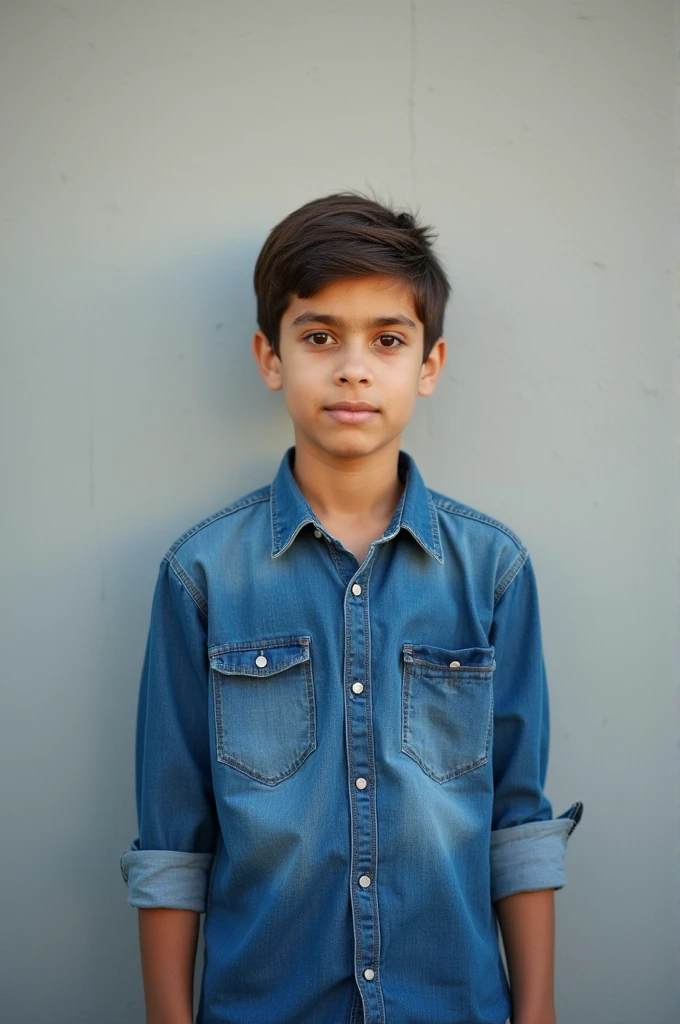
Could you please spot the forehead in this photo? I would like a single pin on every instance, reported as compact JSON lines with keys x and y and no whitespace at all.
{"x":357,"y":297}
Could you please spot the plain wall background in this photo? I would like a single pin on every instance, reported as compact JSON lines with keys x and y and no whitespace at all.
{"x":148,"y":147}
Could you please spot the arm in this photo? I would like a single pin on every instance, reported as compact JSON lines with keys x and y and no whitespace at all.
{"x":168,"y":940}
{"x":527,"y":921}
{"x":167,"y":868}
{"x":528,"y":845}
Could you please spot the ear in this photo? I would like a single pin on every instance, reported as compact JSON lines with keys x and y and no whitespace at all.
{"x":431,"y":368}
{"x":268,"y":362}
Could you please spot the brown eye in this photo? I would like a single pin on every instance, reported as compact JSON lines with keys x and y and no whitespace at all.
{"x":390,"y":338}
{"x":317,"y":334}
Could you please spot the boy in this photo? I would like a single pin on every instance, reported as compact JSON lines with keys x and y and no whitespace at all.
{"x":343,"y":726}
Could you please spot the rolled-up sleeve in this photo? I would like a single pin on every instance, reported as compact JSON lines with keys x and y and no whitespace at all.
{"x":528,"y":845}
{"x":169,"y":863}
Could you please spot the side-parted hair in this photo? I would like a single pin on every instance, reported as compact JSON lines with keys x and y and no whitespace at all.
{"x":344,"y":235}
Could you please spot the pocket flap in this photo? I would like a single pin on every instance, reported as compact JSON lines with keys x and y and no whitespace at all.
{"x":260,"y":658}
{"x":463,"y":659}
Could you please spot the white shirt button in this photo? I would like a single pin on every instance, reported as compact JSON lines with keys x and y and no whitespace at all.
{"x":356,"y":589}
{"x":260,"y":661}
{"x":357,"y":687}
{"x":454,"y":664}
{"x":317,"y":533}
{"x":364,"y":881}
{"x":361,"y":783}
{"x":369,"y":975}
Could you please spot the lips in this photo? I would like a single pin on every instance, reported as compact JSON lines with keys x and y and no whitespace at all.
{"x":351,"y":412}
{"x":353,"y":406}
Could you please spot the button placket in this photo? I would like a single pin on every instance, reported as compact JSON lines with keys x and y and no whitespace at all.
{"x":360,"y":754}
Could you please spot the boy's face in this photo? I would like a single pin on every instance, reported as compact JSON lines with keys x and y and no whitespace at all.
{"x":358,"y":340}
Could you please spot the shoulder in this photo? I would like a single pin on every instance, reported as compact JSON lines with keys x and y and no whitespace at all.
{"x":221,"y":521}
{"x":474,"y":518}
{"x":487,"y":539}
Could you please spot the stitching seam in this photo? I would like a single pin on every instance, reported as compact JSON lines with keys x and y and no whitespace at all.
{"x":190,"y":587}
{"x":509,"y":576}
{"x":250,"y":499}
{"x":457,"y":510}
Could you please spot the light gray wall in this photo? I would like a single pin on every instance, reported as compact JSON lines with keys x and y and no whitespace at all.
{"x":148,"y":148}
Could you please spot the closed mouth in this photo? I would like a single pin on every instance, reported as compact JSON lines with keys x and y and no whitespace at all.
{"x":353,"y":406}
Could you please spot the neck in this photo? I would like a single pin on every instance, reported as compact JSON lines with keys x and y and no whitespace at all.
{"x":353,"y":488}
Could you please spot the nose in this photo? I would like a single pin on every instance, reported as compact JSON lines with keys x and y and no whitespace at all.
{"x":352,"y":368}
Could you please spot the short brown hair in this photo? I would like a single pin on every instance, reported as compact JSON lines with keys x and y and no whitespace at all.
{"x":343,"y":235}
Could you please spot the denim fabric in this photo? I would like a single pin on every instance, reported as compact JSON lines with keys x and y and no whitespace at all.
{"x":342,"y":765}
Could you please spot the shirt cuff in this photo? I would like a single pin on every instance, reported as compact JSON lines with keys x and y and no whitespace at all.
{"x":166,"y":878}
{"x":531,"y":856}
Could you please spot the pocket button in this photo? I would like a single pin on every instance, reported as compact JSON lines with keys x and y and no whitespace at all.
{"x":260,"y":661}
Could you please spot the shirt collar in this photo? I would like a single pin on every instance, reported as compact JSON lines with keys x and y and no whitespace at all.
{"x":416,"y":512}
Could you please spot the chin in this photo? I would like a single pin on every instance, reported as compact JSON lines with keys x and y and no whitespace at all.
{"x":354,"y":447}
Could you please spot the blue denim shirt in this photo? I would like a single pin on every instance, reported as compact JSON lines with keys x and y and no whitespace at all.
{"x":342,"y":765}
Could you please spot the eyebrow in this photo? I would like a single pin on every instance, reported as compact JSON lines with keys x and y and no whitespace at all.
{"x":310,"y":317}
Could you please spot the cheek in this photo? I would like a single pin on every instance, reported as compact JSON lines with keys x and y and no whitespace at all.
{"x":405,"y":383}
{"x":300,"y":386}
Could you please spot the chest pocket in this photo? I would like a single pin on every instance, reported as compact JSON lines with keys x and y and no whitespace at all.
{"x":447,"y":708}
{"x":265,"y":709}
